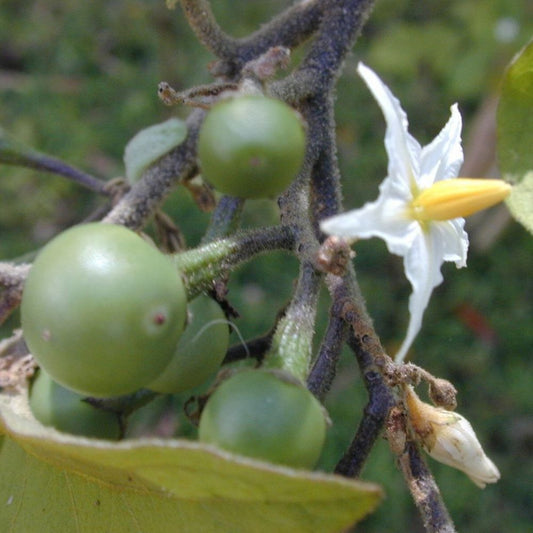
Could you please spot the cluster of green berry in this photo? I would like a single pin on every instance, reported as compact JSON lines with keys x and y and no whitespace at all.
{"x":105,"y":313}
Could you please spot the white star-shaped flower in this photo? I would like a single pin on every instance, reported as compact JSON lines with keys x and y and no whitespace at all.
{"x":417,"y":213}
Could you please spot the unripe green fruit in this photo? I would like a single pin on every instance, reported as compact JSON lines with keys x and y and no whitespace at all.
{"x":200,"y":350}
{"x":102,"y":310}
{"x":257,"y":414}
{"x":53,"y":405}
{"x":251,"y":146}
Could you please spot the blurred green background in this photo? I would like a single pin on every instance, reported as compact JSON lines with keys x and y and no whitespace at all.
{"x":78,"y":80}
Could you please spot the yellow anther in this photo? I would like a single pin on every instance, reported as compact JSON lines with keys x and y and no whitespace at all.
{"x":460,"y":197}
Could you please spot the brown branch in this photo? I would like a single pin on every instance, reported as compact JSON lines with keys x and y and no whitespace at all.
{"x":425,"y":491}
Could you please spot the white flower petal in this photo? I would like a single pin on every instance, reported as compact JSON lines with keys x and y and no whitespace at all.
{"x":443,"y":157}
{"x":424,"y":246}
{"x":454,"y":240}
{"x":403,"y":150}
{"x":489,"y":473}
{"x":457,"y":445}
{"x":385,"y":218}
{"x":422,"y":265}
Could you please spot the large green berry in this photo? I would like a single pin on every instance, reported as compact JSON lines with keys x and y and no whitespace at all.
{"x":251,"y":146}
{"x":102,"y":310}
{"x":55,"y":406}
{"x":200,"y":350}
{"x":257,"y":414}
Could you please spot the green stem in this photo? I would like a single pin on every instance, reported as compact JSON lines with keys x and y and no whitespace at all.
{"x":292,"y":343}
{"x":201,"y":266}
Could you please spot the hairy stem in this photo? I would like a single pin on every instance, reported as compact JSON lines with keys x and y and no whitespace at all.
{"x":15,"y":153}
{"x":326,"y":194}
{"x":425,"y":491}
{"x":209,"y":33}
{"x":292,"y":343}
{"x":289,"y":29}
{"x":380,"y":402}
{"x":138,"y":205}
{"x":372,"y":360}
{"x":339,"y":28}
{"x":201,"y":266}
{"x":324,"y":368}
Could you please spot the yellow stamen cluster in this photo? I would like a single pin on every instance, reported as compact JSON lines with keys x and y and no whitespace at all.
{"x":460,"y":197}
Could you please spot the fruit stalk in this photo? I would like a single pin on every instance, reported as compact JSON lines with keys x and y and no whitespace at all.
{"x":292,"y":343}
{"x":206,"y":263}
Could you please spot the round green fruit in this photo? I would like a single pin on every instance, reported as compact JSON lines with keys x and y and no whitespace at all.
{"x":53,"y":405}
{"x":200,"y":350}
{"x":251,"y":146}
{"x":102,"y":310}
{"x":257,"y":414}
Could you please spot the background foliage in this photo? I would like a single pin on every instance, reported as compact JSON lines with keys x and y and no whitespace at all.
{"x":78,"y":80}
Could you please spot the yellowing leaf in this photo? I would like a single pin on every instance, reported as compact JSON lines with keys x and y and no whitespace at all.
{"x":515,"y":116}
{"x":54,"y":482}
{"x":515,"y":134}
{"x":520,"y":201}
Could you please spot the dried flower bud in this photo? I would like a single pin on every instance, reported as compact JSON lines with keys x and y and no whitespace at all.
{"x":443,"y":394}
{"x":449,"y":438}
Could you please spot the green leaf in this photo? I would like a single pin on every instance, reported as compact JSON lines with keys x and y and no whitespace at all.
{"x":520,"y":201}
{"x":54,"y":482}
{"x":150,"y":144}
{"x":515,"y":134}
